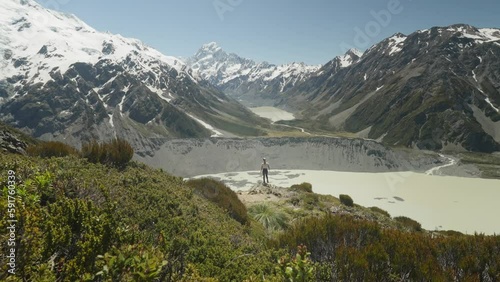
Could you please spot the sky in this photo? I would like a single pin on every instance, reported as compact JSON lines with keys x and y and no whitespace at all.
{"x":276,"y":31}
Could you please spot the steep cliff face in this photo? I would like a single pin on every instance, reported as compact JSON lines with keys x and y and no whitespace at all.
{"x":190,"y":157}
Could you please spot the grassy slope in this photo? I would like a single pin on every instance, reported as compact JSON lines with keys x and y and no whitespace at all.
{"x":488,"y":164}
{"x":300,"y":205}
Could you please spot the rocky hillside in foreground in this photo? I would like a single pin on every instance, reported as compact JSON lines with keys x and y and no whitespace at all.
{"x":191,"y":157}
{"x":433,"y":89}
{"x":61,"y":79}
{"x":252,"y":83}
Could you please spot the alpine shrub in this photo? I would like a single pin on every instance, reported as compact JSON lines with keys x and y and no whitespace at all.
{"x":346,"y":200}
{"x":117,"y":152}
{"x":222,"y":196}
{"x":51,"y":149}
{"x":412,"y":224}
{"x":303,"y":187}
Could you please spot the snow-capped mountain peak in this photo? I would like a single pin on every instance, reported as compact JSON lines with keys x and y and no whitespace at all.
{"x":211,"y":47}
{"x":61,"y":79}
{"x":350,"y":57}
{"x":355,"y":52}
{"x":239,"y":76}
{"x":34,"y":41}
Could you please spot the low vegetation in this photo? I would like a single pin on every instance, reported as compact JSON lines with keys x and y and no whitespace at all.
{"x":116,"y":152}
{"x":488,"y":164}
{"x":221,"y":195}
{"x":346,"y":200}
{"x":303,"y":187}
{"x":380,"y":211}
{"x":409,"y":223}
{"x":297,"y":268}
{"x":348,"y":249}
{"x":80,"y":219}
{"x":51,"y":149}
{"x":270,"y":217}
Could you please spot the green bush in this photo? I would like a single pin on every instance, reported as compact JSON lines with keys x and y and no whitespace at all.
{"x":344,"y":248}
{"x":299,"y":268}
{"x":411,"y":224}
{"x":294,"y":201}
{"x":303,"y":187}
{"x":346,"y":200}
{"x":222,"y":196}
{"x":117,"y":152}
{"x":310,"y":200}
{"x":380,"y":211}
{"x":51,"y":149}
{"x":271,"y":218}
{"x":131,"y":263}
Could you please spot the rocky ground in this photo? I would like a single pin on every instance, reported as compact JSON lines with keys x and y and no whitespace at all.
{"x":300,"y":204}
{"x":11,"y":143}
{"x":265,"y":192}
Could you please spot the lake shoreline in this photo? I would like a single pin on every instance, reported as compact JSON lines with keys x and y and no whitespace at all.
{"x":437,"y":202}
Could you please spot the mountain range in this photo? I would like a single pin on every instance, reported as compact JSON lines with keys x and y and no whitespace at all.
{"x":252,"y":83}
{"x":61,"y":79}
{"x":434,"y":89}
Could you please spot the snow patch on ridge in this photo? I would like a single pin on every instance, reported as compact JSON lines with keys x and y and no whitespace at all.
{"x":396,"y":43}
{"x":215,"y":132}
{"x":484,"y":35}
{"x":491,"y":104}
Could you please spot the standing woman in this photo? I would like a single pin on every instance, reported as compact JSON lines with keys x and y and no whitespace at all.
{"x":264,"y":169}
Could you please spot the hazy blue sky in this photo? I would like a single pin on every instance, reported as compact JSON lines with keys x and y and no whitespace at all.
{"x":277,"y":31}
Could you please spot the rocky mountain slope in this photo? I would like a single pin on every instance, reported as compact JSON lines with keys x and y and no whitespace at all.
{"x":433,"y":89}
{"x":61,"y":79}
{"x":252,"y":83}
{"x":13,"y":141}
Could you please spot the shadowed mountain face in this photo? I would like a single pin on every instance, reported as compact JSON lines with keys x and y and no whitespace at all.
{"x":433,"y":89}
{"x":61,"y":79}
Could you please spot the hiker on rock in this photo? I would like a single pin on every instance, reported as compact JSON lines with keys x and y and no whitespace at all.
{"x":264,"y":169}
